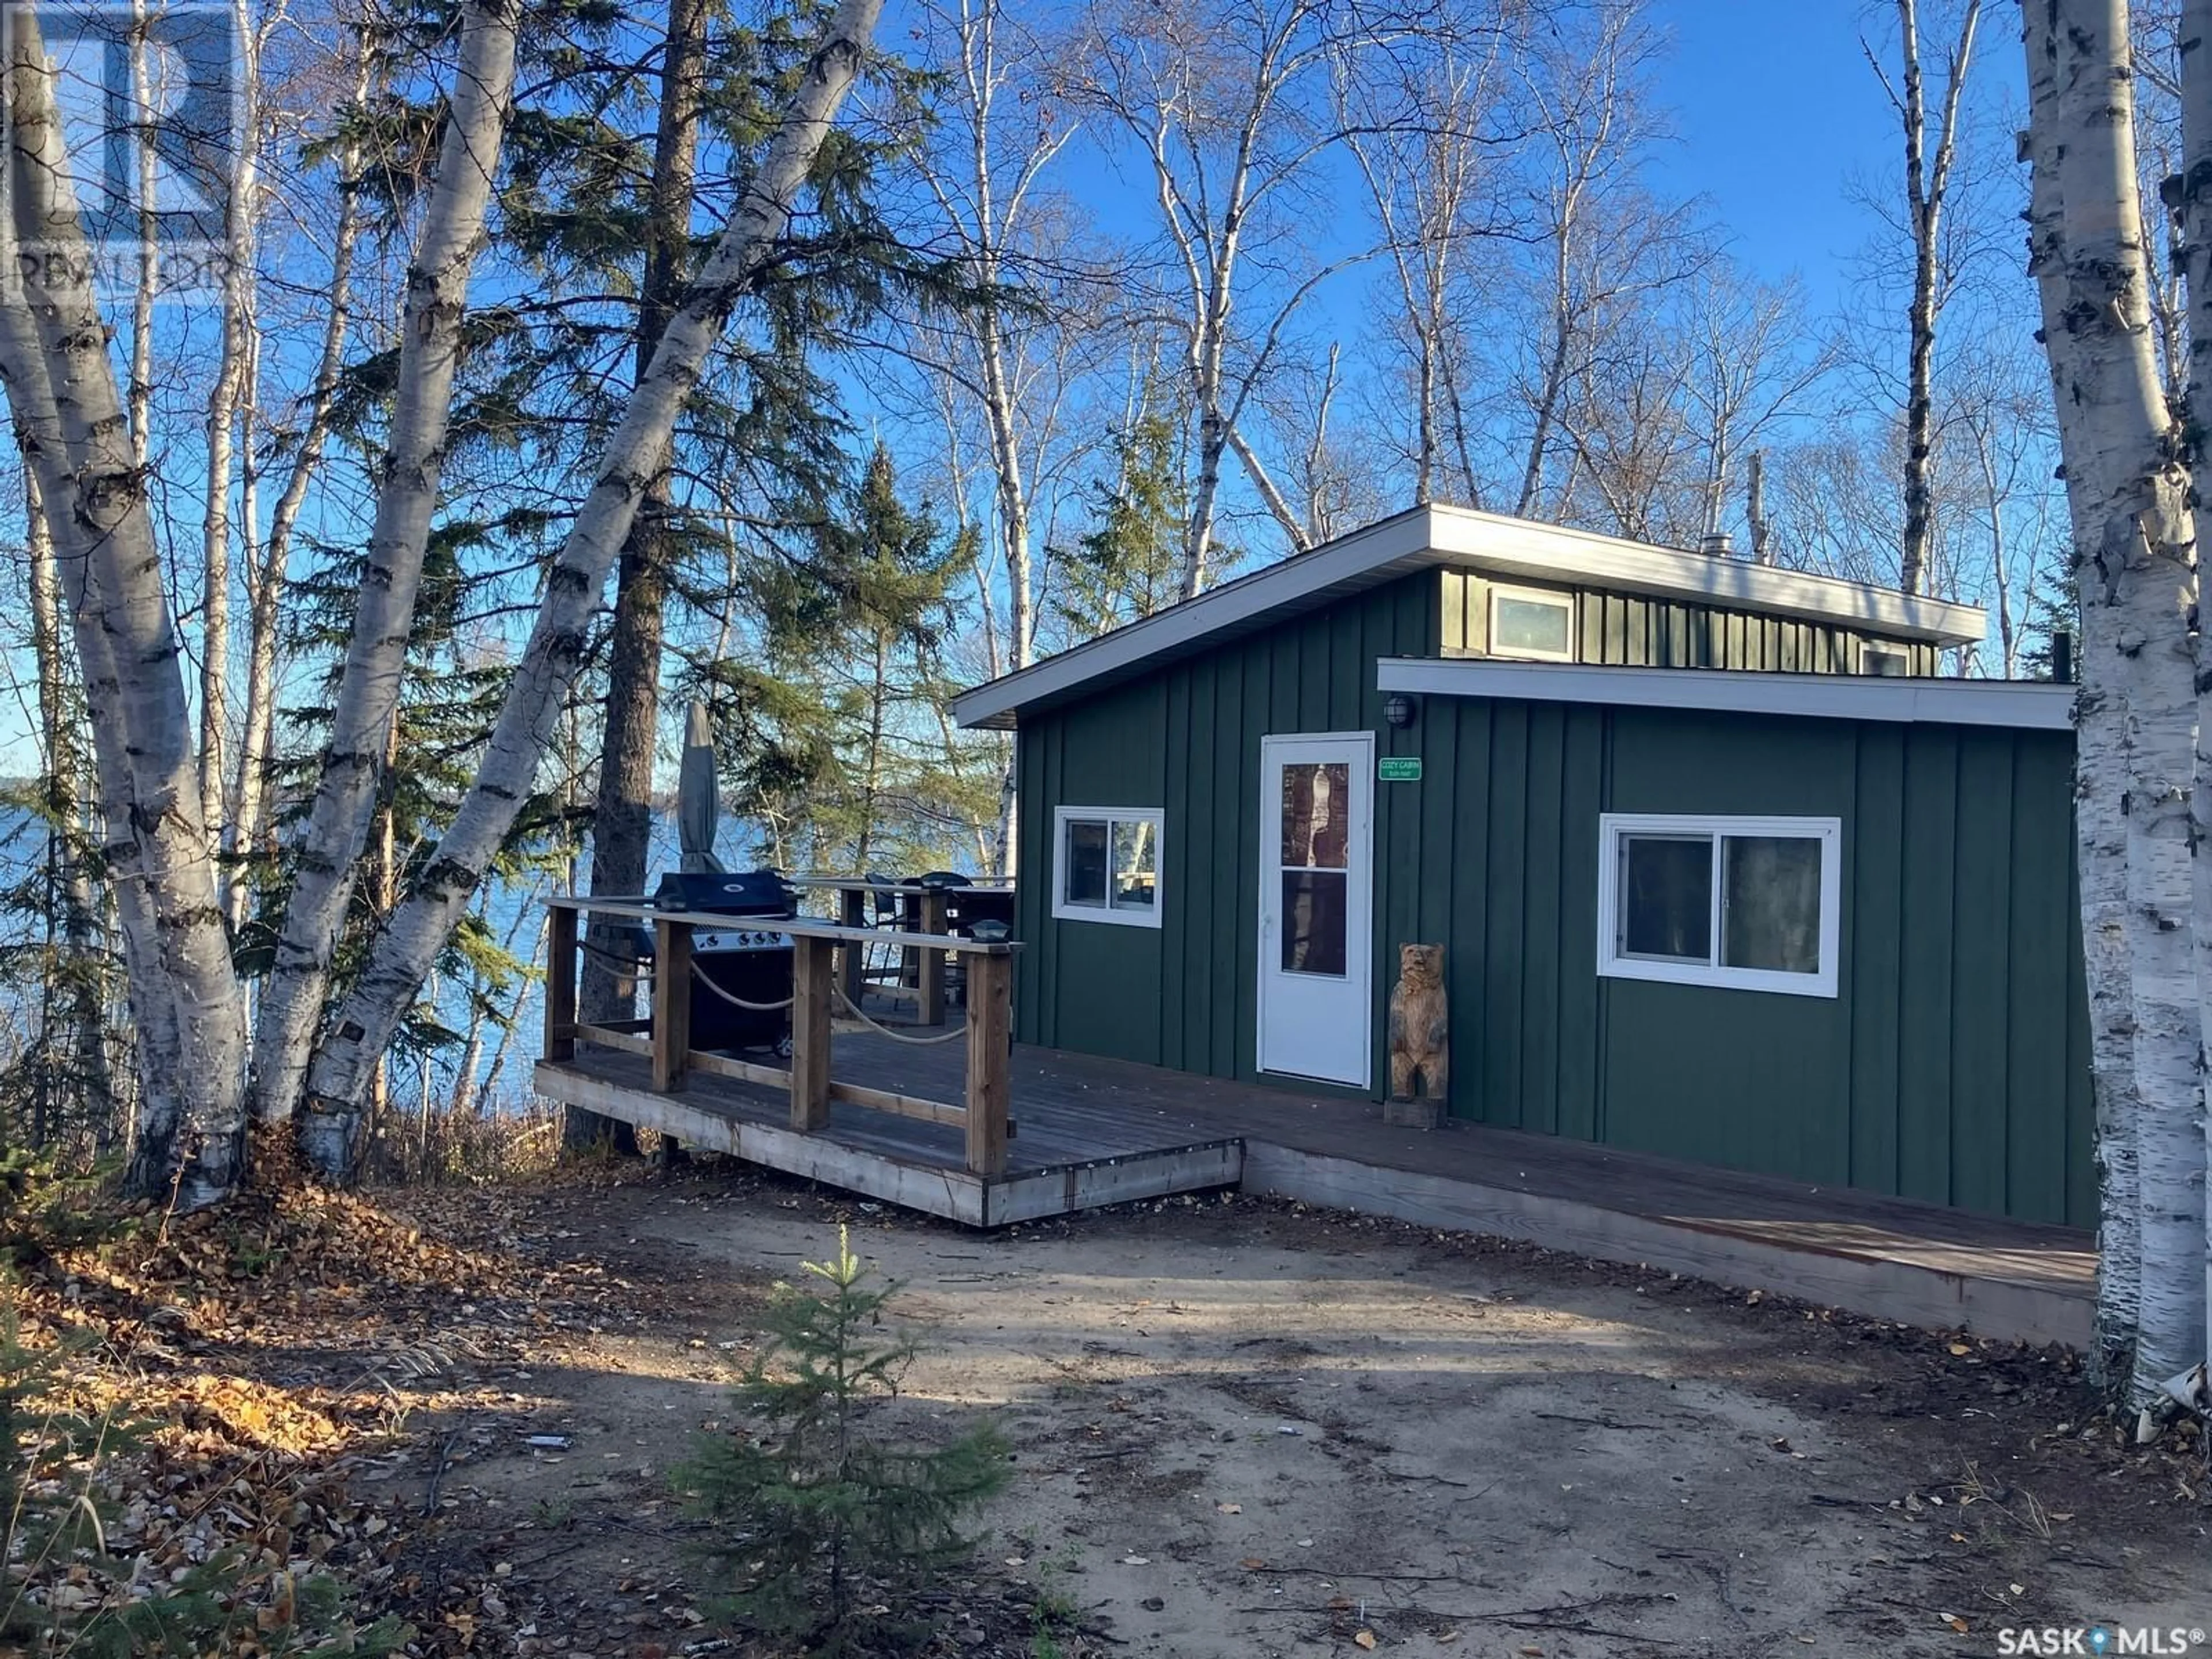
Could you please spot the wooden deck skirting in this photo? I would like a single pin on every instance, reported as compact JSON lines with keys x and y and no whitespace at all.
{"x":666,"y":1039}
{"x":893,"y":1158}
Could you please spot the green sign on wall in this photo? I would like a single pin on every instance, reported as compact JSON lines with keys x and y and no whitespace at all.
{"x":1399,"y":768}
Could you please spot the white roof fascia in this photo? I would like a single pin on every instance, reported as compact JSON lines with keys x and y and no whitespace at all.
{"x":1517,"y":546}
{"x":1404,"y":537}
{"x":1459,"y":537}
{"x":2023,"y":705}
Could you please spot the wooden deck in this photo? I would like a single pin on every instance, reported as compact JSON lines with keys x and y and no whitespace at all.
{"x":1091,"y":1132}
{"x":1057,"y":1162}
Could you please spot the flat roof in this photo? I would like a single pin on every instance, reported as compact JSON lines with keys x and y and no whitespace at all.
{"x":1439,"y":536}
{"x":2024,"y":705}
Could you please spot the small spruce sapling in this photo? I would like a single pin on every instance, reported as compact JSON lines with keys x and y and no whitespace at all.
{"x":813,"y":1513}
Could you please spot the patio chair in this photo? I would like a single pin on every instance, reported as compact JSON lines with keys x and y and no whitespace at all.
{"x":883,"y":964}
{"x":956,"y":975}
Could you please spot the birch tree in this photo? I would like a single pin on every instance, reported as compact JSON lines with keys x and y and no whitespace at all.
{"x":2134,"y":547}
{"x":369,"y":690}
{"x":1422,"y":138}
{"x":186,"y":1001}
{"x":2155,"y":41}
{"x":1607,"y":247}
{"x":1752,"y":368}
{"x":1927,"y":183}
{"x":72,"y":424}
{"x":248,"y":810}
{"x":405,"y":948}
{"x":226,"y":399}
{"x":1229,"y":107}
{"x":2002,"y":419}
{"x":1003,"y":126}
{"x":987,"y":181}
{"x":2166,"y":1187}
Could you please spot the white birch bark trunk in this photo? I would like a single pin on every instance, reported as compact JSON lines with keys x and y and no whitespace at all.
{"x":987,"y":216}
{"x":1013,"y":509}
{"x":1547,"y":399}
{"x":1205,"y":368}
{"x":1927,"y":182}
{"x":1279,"y":507}
{"x":376,"y":652}
{"x":405,"y":949}
{"x":185,"y":998}
{"x":265,"y":581}
{"x":2133,"y":546}
{"x":2101,"y":780}
{"x":141,"y":302}
{"x":2195,"y":257}
{"x":241,"y":208}
{"x":1209,"y":258}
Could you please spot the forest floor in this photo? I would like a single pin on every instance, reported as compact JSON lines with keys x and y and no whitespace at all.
{"x":1239,"y":1428}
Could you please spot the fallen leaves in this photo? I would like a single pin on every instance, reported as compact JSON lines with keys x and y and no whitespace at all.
{"x":265,"y":1351}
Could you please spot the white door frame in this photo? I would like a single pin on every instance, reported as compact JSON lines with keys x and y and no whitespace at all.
{"x":1360,"y":892}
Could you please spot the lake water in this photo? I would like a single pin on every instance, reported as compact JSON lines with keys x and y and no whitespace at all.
{"x":511,"y":911}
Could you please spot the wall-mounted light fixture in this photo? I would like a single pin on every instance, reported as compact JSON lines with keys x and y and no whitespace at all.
{"x":1399,"y":709}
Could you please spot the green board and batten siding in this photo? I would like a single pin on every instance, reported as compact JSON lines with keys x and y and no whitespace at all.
{"x":1635,"y":630}
{"x":1952,"y":1068}
{"x":1187,"y":739}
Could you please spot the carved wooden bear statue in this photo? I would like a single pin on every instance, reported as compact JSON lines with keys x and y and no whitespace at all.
{"x":1420,"y":1023}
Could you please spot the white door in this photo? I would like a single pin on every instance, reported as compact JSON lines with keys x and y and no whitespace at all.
{"x":1317,"y":906}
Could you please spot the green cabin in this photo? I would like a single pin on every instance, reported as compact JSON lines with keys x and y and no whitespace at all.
{"x":1723,"y":870}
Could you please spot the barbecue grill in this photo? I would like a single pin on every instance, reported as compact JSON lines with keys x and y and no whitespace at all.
{"x":750,"y":959}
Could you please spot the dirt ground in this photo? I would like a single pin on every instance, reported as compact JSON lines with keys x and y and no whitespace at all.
{"x":1242,"y":1430}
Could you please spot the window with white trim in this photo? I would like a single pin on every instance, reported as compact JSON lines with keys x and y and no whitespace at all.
{"x":1752,"y":903}
{"x":1532,"y":621}
{"x":1884,"y":660}
{"x":1107,"y":864}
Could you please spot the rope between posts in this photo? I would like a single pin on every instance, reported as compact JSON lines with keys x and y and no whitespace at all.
{"x":628,"y":965}
{"x":699,"y":974}
{"x":896,"y":1036}
{"x":631,"y":964}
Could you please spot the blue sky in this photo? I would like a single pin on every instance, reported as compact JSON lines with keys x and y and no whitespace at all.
{"x":1775,"y":108}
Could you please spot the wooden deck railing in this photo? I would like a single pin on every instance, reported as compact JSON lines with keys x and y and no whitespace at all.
{"x":666,"y":1039}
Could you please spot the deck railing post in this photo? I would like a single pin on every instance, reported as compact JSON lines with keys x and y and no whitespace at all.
{"x":672,"y":1003}
{"x":990,"y":1059}
{"x":852,"y":956}
{"x":810,"y":1033}
{"x":929,"y":976}
{"x":561,"y":983}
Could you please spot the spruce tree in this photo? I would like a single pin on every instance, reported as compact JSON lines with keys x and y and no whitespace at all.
{"x":1128,"y":565}
{"x":836,"y":743}
{"x":815,"y":1518}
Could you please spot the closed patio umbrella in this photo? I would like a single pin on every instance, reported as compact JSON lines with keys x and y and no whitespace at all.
{"x":698,"y":805}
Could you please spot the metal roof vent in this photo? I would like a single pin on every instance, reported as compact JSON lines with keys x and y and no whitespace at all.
{"x":1717,"y":545}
